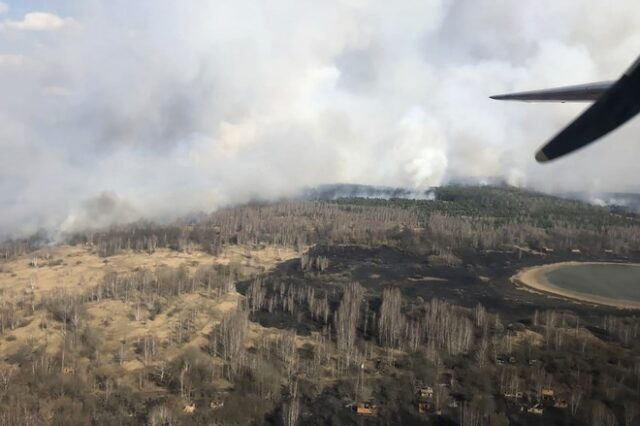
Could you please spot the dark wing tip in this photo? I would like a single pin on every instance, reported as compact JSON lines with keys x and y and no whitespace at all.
{"x":614,"y":108}
{"x":541,"y":157}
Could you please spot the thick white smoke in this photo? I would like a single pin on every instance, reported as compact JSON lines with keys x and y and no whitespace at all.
{"x":155,"y":109}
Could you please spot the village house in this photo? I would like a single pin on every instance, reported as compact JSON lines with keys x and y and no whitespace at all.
{"x":561,"y":403}
{"x":366,"y":409}
{"x":514,"y":395}
{"x":189,"y":408}
{"x":537,"y":409}
{"x":425,"y":392}
{"x":425,"y":407}
{"x":216,"y":403}
{"x":424,"y":397}
{"x":548,"y":395}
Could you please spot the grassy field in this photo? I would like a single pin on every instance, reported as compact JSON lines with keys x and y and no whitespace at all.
{"x":29,"y":279}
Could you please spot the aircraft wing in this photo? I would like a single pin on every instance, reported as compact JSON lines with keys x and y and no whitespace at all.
{"x":580,"y":93}
{"x":615,"y":104}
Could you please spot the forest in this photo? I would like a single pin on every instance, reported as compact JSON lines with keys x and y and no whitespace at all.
{"x":321,"y":311}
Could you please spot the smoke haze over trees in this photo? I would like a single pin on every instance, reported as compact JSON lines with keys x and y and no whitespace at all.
{"x":176,"y":107}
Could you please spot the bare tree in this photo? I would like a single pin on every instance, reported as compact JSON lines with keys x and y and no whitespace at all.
{"x":575,"y":400}
{"x":227,"y":340}
{"x":291,"y":408}
{"x":391,"y":319}
{"x":631,"y":412}
{"x":346,"y":320}
{"x":602,"y":416}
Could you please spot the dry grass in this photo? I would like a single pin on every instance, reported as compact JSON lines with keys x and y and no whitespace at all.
{"x":80,"y":268}
{"x":74,"y":269}
{"x":529,"y":337}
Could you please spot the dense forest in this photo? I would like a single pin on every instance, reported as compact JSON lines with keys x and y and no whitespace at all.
{"x":391,"y":311}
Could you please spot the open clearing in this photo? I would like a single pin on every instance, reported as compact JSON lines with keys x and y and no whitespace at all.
{"x":26,"y":280}
{"x":76,"y":268}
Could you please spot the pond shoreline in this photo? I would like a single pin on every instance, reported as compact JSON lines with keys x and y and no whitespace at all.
{"x":535,"y":278}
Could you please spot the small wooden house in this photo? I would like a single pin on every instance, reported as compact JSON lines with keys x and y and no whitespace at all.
{"x":216,"y":403}
{"x":425,"y":392}
{"x":548,"y":395}
{"x":561,"y":403}
{"x":537,"y":409}
{"x":366,"y":409}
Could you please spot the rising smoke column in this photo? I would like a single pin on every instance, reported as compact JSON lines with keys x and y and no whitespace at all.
{"x":165,"y":108}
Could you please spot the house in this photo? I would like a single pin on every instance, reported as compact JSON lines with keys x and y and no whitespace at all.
{"x":425,"y":407}
{"x":366,"y":409}
{"x":548,"y":395}
{"x":189,"y":408}
{"x":216,"y":403}
{"x":561,"y":403}
{"x":514,"y":395}
{"x":537,"y":409}
{"x":424,"y":396}
{"x":425,"y":392}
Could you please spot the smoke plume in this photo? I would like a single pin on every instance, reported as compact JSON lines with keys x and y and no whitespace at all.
{"x":118,"y":110}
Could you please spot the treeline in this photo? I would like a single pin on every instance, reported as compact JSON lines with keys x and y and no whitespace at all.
{"x":479,"y":218}
{"x":16,"y":247}
{"x":289,"y":223}
{"x":459,"y":217}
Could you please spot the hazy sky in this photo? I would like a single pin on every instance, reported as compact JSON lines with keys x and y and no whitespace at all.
{"x":114,"y":110}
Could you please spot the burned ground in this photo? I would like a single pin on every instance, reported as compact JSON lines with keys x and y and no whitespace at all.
{"x":481,"y":278}
{"x":348,"y":311}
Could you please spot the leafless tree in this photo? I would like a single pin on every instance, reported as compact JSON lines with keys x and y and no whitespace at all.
{"x":227,"y":340}
{"x":291,"y":408}
{"x":346,"y":320}
{"x":631,"y":411}
{"x":391,"y":320}
{"x":601,"y":415}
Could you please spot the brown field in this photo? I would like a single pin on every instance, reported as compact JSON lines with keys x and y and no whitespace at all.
{"x":74,"y":269}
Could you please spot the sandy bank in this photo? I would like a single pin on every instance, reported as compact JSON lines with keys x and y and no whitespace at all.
{"x":536,"y":278}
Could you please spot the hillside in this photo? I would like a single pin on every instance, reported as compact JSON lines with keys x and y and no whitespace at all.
{"x":326,"y":311}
